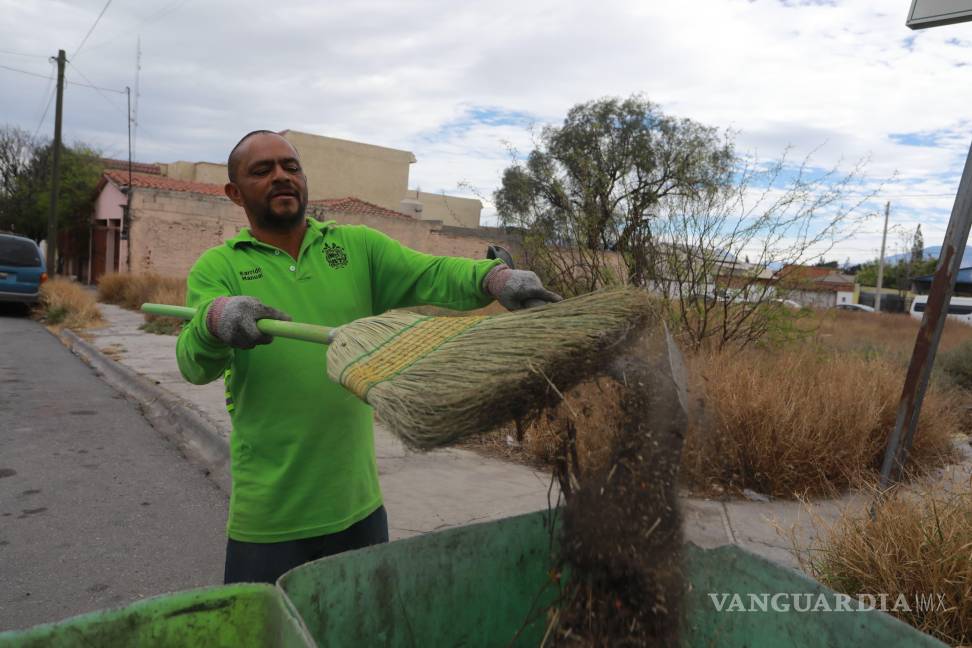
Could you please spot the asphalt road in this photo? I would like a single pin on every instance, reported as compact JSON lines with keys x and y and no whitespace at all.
{"x":97,"y":509}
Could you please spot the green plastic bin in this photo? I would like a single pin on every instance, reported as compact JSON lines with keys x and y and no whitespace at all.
{"x":234,"y":616}
{"x":729,"y":570}
{"x":488,"y":585}
{"x":477,"y":585}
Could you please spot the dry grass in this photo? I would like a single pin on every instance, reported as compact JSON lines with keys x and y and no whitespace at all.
{"x":803,"y":421}
{"x":918,"y":544}
{"x":956,"y":364}
{"x":166,"y":293}
{"x":807,"y":418}
{"x":67,"y":303}
{"x":892,"y":334}
{"x":591,"y":407}
{"x":131,"y":291}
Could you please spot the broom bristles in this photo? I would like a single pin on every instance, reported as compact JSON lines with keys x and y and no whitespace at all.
{"x":433,"y":380}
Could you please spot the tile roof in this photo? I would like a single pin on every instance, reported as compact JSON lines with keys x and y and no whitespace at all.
{"x":163,"y":183}
{"x":352,"y":205}
{"x":804,"y":273}
{"x":817,"y":278}
{"x":138,"y":167}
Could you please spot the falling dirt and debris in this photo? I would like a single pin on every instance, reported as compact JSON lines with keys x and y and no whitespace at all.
{"x":620,"y":437}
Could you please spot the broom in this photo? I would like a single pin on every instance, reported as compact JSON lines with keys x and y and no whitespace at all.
{"x":433,"y":380}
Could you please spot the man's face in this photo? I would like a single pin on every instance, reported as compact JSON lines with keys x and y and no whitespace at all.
{"x":270,"y":183}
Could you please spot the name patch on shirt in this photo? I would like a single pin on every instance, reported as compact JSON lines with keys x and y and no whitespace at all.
{"x":249,"y":275}
{"x":335,"y":255}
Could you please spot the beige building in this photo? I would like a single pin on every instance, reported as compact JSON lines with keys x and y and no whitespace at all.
{"x":172,"y":221}
{"x":339,"y":168}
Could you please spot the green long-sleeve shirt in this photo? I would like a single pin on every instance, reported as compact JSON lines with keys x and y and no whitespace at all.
{"x":302,"y":447}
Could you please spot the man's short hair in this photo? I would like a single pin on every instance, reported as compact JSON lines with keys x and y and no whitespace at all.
{"x":234,"y":160}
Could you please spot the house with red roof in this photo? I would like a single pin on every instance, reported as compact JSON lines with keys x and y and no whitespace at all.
{"x":817,"y":286}
{"x":161,"y":217}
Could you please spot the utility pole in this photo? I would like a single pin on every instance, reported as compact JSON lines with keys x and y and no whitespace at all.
{"x":126,"y":214}
{"x":133,"y":109}
{"x":884,"y":238}
{"x":56,"y":172}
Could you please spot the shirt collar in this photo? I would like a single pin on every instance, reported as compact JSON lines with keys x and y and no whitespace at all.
{"x":315,"y":228}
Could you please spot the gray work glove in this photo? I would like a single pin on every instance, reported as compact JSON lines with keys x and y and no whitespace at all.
{"x":516,"y":289}
{"x":233,"y":321}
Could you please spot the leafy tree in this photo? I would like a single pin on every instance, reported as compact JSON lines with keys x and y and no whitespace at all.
{"x":621,"y":192}
{"x":917,"y":247}
{"x":594,"y":183}
{"x":26,"y":168}
{"x":898,"y":274}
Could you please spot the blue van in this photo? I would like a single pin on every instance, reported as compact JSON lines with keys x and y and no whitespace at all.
{"x":21,"y":269}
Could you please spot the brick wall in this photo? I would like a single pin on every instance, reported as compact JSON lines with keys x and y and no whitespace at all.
{"x":169,"y":230}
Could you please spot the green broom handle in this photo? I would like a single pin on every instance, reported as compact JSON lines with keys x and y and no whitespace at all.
{"x":292,"y":330}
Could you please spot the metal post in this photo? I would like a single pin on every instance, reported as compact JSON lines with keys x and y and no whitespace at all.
{"x":880,"y":277}
{"x":930,"y":333}
{"x":56,"y":171}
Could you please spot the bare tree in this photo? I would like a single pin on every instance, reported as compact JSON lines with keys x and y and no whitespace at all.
{"x":772,"y":217}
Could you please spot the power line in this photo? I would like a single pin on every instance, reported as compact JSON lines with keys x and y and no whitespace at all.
{"x":44,"y":115}
{"x":49,"y":93}
{"x":97,"y":20}
{"x":927,"y":195}
{"x":74,"y":83}
{"x":13,"y":69}
{"x":154,"y":18}
{"x":11,"y":53}
{"x":96,"y":88}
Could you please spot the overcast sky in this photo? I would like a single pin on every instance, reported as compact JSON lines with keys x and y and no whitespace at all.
{"x":459,"y":83}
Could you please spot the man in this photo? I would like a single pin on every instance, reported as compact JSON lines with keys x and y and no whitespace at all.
{"x":305,"y":480}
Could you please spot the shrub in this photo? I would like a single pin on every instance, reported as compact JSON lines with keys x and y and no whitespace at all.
{"x":132,"y":290}
{"x":162,"y":325}
{"x":917,"y":544}
{"x":956,"y":364}
{"x":67,"y":303}
{"x":802,"y":420}
{"x":110,"y":287}
{"x":166,"y":292}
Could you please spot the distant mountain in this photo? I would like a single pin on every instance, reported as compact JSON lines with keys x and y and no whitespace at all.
{"x":931,"y":253}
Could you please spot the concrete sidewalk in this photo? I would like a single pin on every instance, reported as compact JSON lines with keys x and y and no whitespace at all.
{"x":423,"y":491}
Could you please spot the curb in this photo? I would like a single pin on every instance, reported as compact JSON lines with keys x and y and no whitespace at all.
{"x":198,"y":438}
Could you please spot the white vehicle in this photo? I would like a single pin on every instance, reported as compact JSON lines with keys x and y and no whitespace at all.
{"x":959,"y":309}
{"x":855,"y":307}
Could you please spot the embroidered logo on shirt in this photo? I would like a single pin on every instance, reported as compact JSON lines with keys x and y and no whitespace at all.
{"x":335,"y":255}
{"x":249,"y":275}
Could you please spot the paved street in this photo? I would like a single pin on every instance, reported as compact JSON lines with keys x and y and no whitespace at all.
{"x":96,"y":508}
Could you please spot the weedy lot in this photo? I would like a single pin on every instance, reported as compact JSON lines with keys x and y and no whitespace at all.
{"x":806,"y":415}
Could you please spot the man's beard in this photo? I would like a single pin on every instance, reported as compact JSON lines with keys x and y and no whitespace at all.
{"x":266,"y":219}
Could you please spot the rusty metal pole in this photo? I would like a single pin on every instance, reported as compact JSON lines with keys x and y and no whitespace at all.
{"x":930,"y":333}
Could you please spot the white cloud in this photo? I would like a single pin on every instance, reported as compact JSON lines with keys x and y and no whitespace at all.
{"x":835,"y":78}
